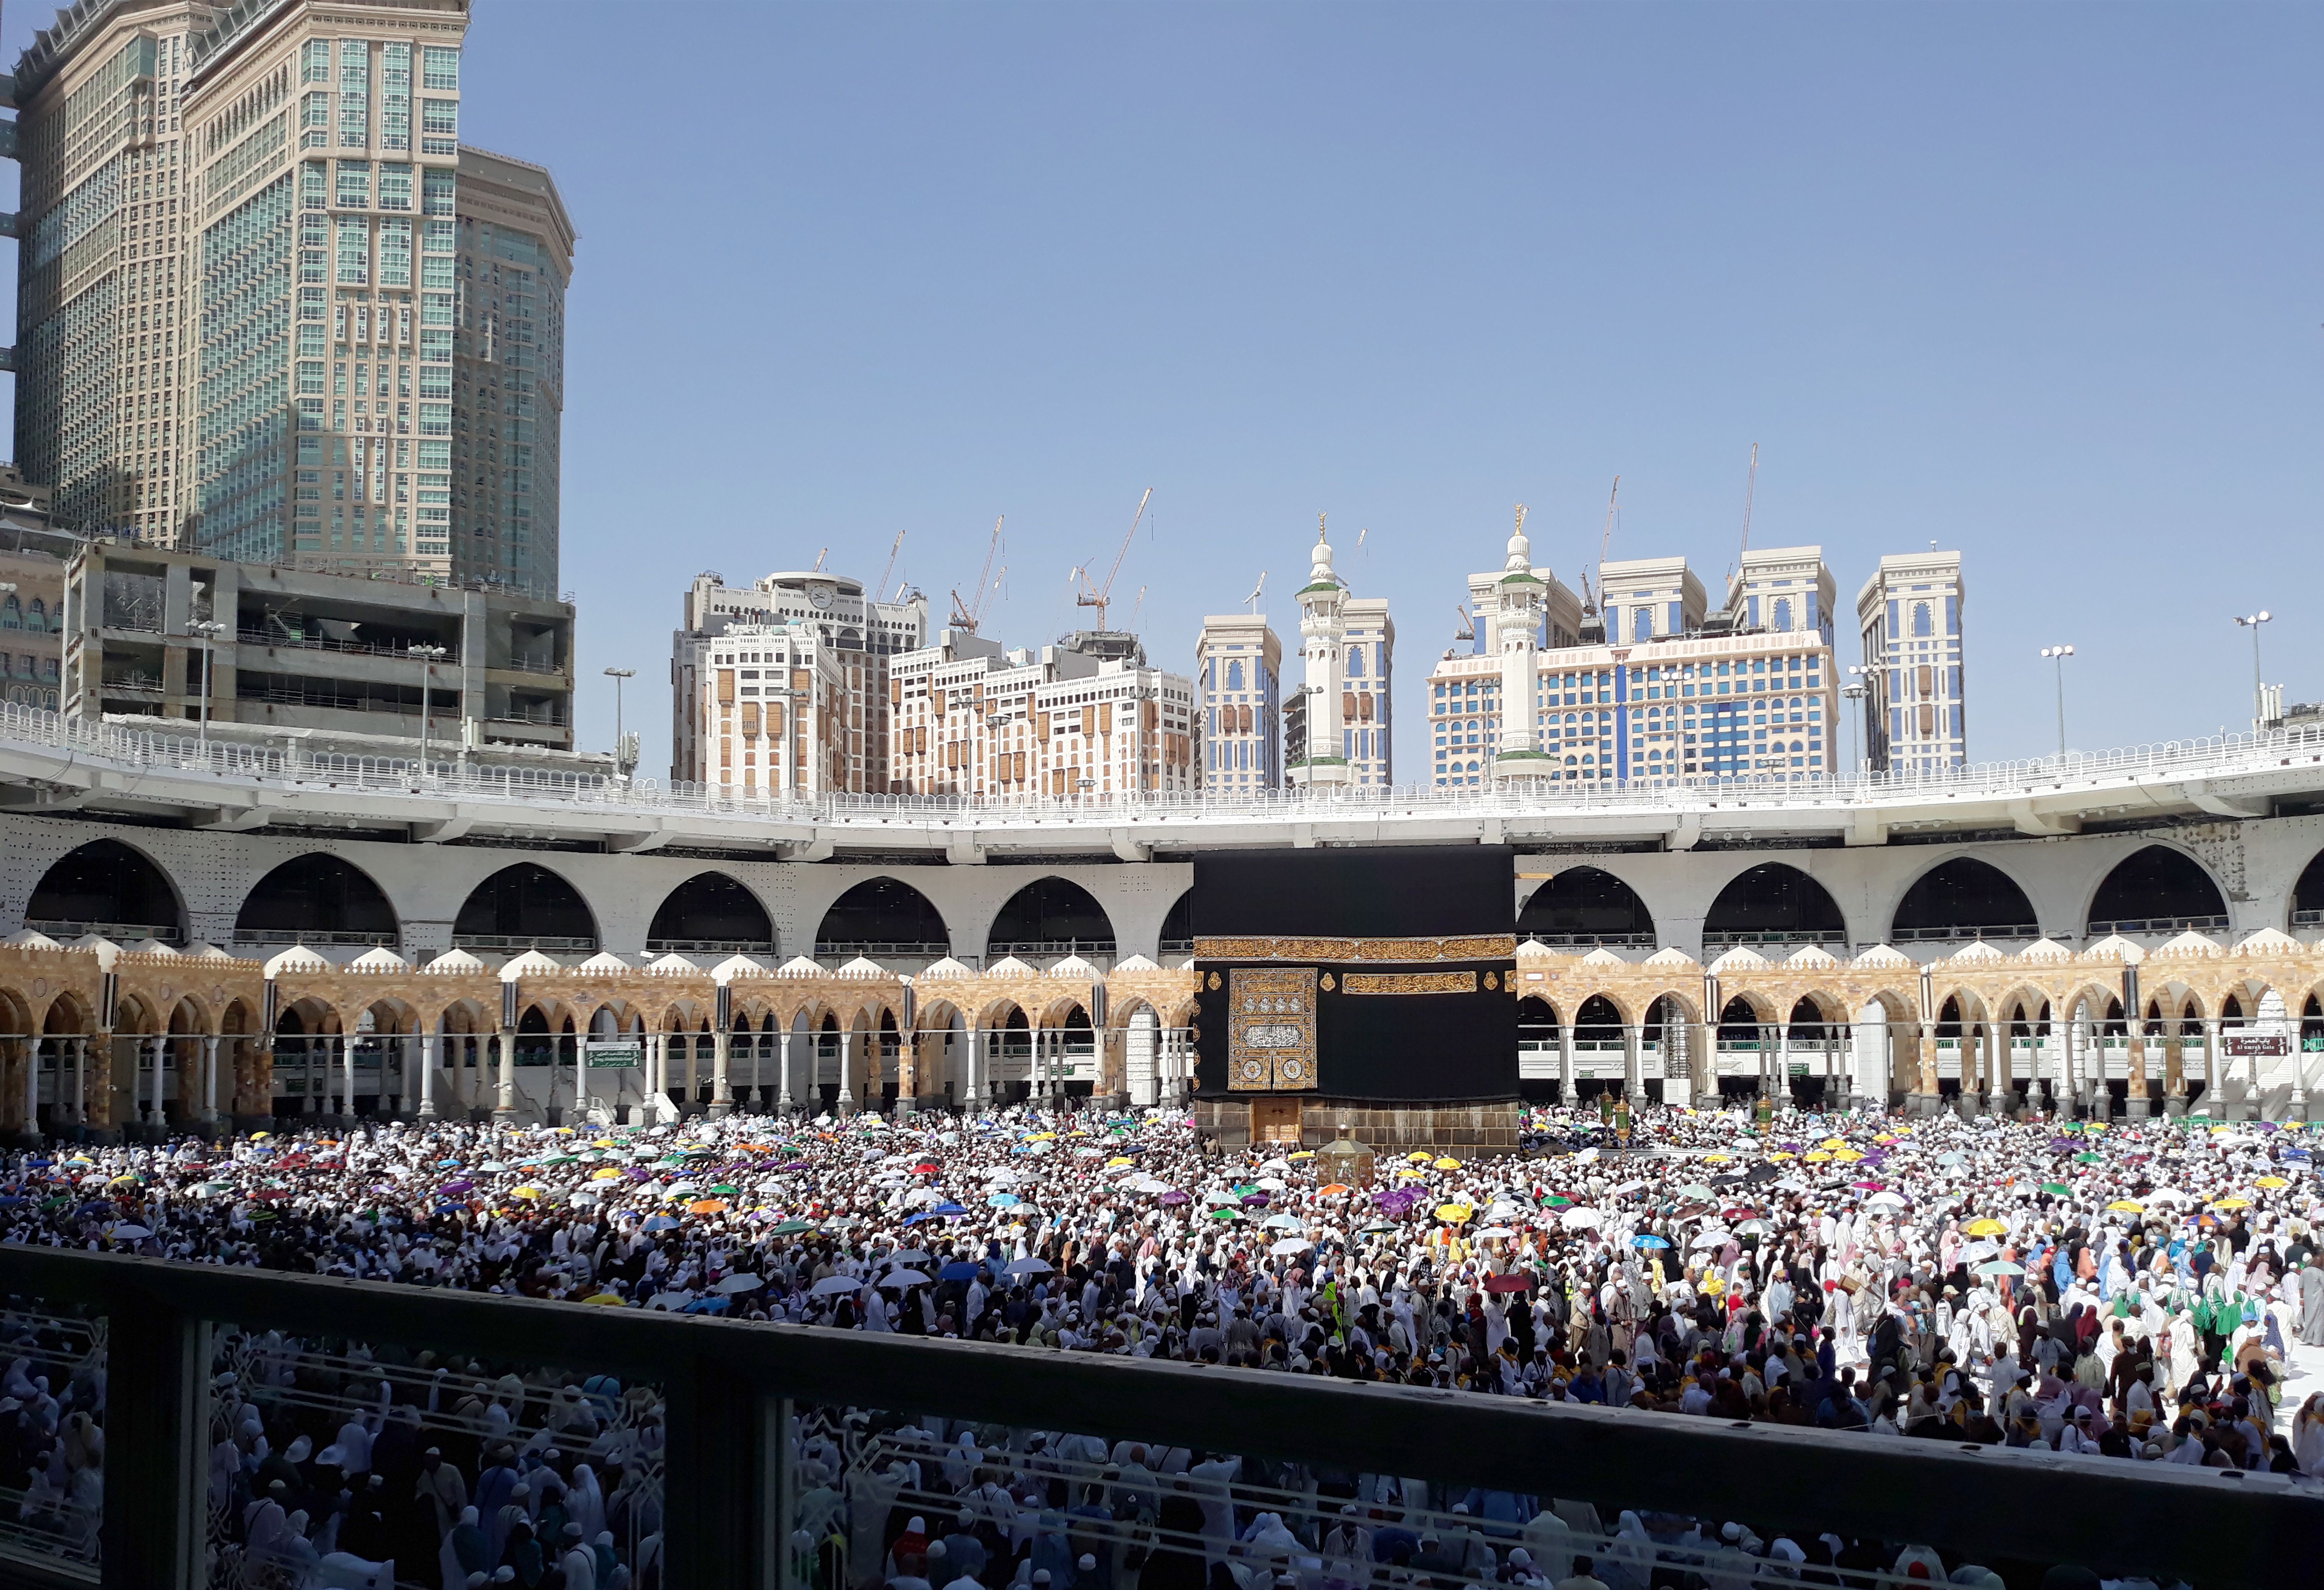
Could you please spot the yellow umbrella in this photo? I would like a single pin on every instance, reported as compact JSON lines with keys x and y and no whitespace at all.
{"x":1409,"y":1174}
{"x":1848,"y":1156}
{"x":256,"y":1135}
{"x":1417,"y":1159}
{"x":1832,"y":1143}
{"x":1717,"y":1159}
{"x":1117,"y":1160}
{"x":1816,"y":1157}
{"x":1305,"y":1154}
{"x":2094,"y":1125}
{"x":1448,"y":1163}
{"x":605,"y":1300}
{"x":2271,"y":1181}
{"x":603,"y":1142}
{"x":1780,"y":1155}
{"x":1453,"y":1213}
{"x":1987,"y":1227}
{"x":565,"y":1131}
{"x":608,"y":1174}
{"x":2124,"y":1205}
{"x":524,"y":1192}
{"x":2232,"y":1204}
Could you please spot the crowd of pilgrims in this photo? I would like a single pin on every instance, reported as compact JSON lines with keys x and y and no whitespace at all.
{"x":2134,"y":1293}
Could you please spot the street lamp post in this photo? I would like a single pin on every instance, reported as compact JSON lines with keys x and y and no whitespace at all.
{"x":209,"y":629}
{"x":2252,"y":621}
{"x":1865,"y":674}
{"x":429,"y":656}
{"x":1855,"y":694}
{"x":620,"y":744}
{"x":2058,"y":654}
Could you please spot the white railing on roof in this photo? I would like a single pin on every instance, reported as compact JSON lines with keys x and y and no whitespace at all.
{"x":80,"y":741}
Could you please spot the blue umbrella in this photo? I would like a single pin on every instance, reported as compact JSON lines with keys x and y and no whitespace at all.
{"x":1647,"y":1239}
{"x":1004,"y":1201}
{"x":916,"y":1219}
{"x":959,"y":1270}
{"x":708,"y":1305}
{"x":661,"y":1223}
{"x":948,"y":1210}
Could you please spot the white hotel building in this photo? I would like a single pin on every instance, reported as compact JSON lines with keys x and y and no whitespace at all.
{"x":1745,"y":692}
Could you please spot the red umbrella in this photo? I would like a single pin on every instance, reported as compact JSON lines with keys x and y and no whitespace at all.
{"x":1516,"y":1281}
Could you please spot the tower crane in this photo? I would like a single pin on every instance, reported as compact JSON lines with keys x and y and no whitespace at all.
{"x":1091,"y":595}
{"x":965,"y":615}
{"x":884,"y":573}
{"x":1590,"y":594}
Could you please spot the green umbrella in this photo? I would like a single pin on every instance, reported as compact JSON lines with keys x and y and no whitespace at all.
{"x":1556,"y":1202}
{"x":724,"y":1190}
{"x":1224,"y":1213}
{"x":2090,"y":1160}
{"x":2058,"y":1190}
{"x":792,"y":1228}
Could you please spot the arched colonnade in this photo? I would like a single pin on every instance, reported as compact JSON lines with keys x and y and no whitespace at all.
{"x":100,"y":1037}
{"x":2238,"y":1027}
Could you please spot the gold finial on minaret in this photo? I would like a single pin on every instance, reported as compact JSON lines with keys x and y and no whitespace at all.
{"x":1319,"y":525}
{"x":1521,"y":517}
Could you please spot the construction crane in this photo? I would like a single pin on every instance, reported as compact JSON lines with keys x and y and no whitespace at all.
{"x":1095,"y":596}
{"x":884,"y":573}
{"x":1750,"y":493}
{"x":1590,"y":594}
{"x":964,"y":614}
{"x":1467,"y":630}
{"x":1136,"y":607}
{"x":1257,"y":592}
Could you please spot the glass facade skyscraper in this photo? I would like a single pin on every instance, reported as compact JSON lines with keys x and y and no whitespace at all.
{"x":252,"y":273}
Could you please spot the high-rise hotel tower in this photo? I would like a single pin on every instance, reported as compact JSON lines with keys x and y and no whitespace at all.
{"x":271,"y":309}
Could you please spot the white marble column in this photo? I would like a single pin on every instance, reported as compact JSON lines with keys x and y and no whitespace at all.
{"x":504,"y":1102}
{"x":430,"y":1049}
{"x":846,"y":1071}
{"x":209,"y":1077}
{"x":722,"y":1082}
{"x":783,"y":1074}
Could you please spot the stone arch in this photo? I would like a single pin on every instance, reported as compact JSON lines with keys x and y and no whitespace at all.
{"x":108,"y":887}
{"x":1773,"y":904}
{"x":1963,"y":898}
{"x":1586,"y":905}
{"x":317,"y":898}
{"x":882,"y":916}
{"x":525,"y":906}
{"x":2307,"y":894}
{"x":1050,"y":916}
{"x":1178,"y":927}
{"x":2157,"y":889}
{"x":710,"y":912}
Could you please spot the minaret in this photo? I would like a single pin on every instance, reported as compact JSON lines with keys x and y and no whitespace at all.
{"x":1323,"y":630}
{"x":1517,"y":630}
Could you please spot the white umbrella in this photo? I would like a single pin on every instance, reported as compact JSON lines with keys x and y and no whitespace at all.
{"x":1282,"y":1222}
{"x":1292,"y":1244}
{"x":1274,"y":1164}
{"x":1029,"y":1265}
{"x":904,"y":1278}
{"x":1495,"y":1231}
{"x":739,"y":1283}
{"x":1271,"y":1183}
{"x":1709,"y":1239}
{"x":1893,"y":1200}
{"x":907,"y":1256}
{"x":1575,"y":1219}
{"x":832,"y":1286}
{"x":129,"y":1234}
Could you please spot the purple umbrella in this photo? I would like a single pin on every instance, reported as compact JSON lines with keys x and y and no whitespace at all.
{"x":457,"y":1187}
{"x":1175,"y":1197}
{"x":2064,"y":1145}
{"x":635,"y":1174}
{"x":1256,"y":1200}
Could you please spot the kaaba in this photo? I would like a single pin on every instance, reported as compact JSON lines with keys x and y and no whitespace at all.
{"x":1365,"y":992}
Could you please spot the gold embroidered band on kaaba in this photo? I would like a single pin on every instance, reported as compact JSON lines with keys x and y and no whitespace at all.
{"x":1408,"y":983}
{"x":1481,"y":947}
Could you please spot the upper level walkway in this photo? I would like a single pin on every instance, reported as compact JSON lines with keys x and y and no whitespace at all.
{"x":51,"y":762}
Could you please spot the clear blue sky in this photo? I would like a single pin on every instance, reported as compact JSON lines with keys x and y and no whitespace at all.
{"x":2040,"y":283}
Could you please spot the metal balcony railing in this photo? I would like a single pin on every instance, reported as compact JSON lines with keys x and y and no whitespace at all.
{"x":741,"y":1432}
{"x":1829,"y":800}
